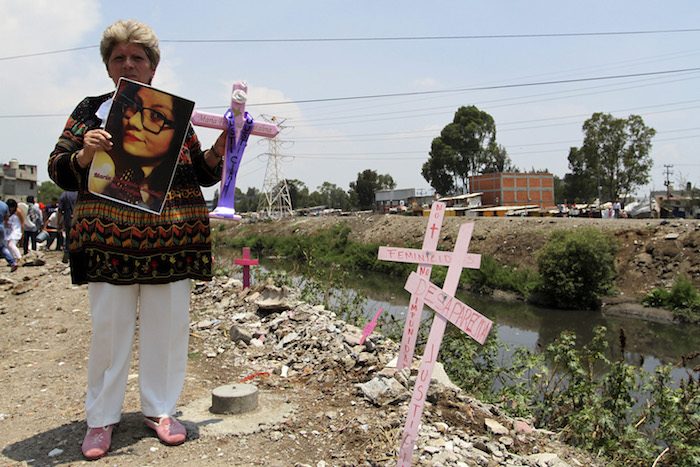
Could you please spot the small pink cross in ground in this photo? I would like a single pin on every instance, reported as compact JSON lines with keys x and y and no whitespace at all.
{"x":246,"y":262}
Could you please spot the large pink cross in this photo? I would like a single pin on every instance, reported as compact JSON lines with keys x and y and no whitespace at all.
{"x":426,"y":259}
{"x":447,"y":308}
{"x":246,"y":262}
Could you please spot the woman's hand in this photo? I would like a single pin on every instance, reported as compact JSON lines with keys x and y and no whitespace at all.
{"x":93,"y":141}
{"x":214,"y":155}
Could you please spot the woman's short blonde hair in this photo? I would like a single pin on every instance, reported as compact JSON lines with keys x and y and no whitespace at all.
{"x":130,"y":31}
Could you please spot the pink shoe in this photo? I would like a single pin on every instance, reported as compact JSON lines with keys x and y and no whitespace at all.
{"x":96,"y":442}
{"x":168,"y":429}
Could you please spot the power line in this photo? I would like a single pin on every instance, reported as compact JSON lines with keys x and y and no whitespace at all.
{"x":38,"y":54}
{"x":432,"y":92}
{"x":384,"y":39}
{"x":439,"y":38}
{"x":482,"y":88}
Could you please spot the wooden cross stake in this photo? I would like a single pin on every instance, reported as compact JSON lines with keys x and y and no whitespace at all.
{"x":447,"y":308}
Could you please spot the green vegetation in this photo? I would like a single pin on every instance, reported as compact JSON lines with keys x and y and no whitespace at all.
{"x":47,"y":191}
{"x":606,"y":406}
{"x":631,"y":416}
{"x":683,"y":300}
{"x":577,"y":267}
{"x":465,"y":147}
{"x":613,"y":160}
{"x":332,"y":248}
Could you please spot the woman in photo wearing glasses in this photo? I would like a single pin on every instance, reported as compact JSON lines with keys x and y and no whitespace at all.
{"x":146,"y":128}
{"x":135,"y":262}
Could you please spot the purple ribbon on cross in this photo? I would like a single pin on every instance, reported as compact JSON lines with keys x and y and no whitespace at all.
{"x":234,"y":153}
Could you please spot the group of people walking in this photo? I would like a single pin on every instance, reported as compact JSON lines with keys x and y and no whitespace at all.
{"x":21,"y":226}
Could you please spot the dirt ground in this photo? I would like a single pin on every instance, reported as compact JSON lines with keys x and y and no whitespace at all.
{"x":46,"y":337}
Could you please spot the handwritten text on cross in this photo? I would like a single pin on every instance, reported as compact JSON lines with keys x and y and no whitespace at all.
{"x":415,"y":306}
{"x":427,"y":258}
{"x":476,"y":325}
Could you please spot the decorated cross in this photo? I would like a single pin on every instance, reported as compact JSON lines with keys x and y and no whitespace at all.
{"x":240,"y":125}
{"x":246,"y":262}
{"x":426,"y":259}
{"x":447,"y":308}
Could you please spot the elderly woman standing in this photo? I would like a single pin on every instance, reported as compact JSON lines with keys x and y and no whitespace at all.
{"x":135,"y":260}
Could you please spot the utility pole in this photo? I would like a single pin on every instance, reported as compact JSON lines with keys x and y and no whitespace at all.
{"x":667,"y":182}
{"x":275,"y":202}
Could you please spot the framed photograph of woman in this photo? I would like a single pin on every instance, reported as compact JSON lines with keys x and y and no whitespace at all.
{"x":148,"y":127}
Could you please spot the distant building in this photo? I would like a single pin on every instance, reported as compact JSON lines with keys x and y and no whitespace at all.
{"x":514,"y":189}
{"x":18,"y":181}
{"x":678,"y":202}
{"x":408,"y":199}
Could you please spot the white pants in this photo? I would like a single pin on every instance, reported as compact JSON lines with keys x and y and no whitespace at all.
{"x":163,"y":311}
{"x":12,"y":246}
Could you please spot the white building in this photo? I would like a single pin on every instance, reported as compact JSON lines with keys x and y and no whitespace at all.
{"x":18,"y":181}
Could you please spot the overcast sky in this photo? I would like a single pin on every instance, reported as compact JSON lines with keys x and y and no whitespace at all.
{"x":368,"y":85}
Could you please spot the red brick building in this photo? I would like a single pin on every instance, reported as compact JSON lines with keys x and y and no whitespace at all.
{"x":514,"y":189}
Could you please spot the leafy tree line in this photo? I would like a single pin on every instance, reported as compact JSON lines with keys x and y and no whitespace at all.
{"x":359,"y":196}
{"x":612,"y":161}
{"x":465,"y":147}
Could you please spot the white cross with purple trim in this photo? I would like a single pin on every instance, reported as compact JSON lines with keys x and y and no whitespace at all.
{"x":239,"y":125}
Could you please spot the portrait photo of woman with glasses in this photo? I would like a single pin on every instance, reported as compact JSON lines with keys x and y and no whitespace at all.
{"x":148,"y":127}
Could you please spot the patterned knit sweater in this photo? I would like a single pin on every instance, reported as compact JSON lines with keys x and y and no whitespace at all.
{"x":116,"y":243}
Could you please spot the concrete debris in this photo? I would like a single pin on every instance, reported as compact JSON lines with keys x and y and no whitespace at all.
{"x":286,"y":337}
{"x":383,"y":391}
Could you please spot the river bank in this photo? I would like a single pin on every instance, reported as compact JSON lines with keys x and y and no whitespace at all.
{"x":652,"y":252}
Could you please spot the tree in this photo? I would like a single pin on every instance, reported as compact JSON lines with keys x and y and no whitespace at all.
{"x":498,"y":162}
{"x":580,"y":186}
{"x":367,"y":184}
{"x":48,"y":191}
{"x":577,"y":267}
{"x":247,"y":202}
{"x":465,"y":147}
{"x":298,"y":193}
{"x":615,"y":152}
{"x":333,"y":196}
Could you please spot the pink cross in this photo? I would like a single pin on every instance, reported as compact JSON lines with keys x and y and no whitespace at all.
{"x":447,"y":308}
{"x":426,"y":259}
{"x":246,"y":262}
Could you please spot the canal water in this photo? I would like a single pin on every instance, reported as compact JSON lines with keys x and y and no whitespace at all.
{"x":648,"y":343}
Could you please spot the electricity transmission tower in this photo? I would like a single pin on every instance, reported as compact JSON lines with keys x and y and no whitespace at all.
{"x":275,"y":202}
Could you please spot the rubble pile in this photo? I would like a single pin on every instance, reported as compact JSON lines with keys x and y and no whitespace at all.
{"x":267,"y":330}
